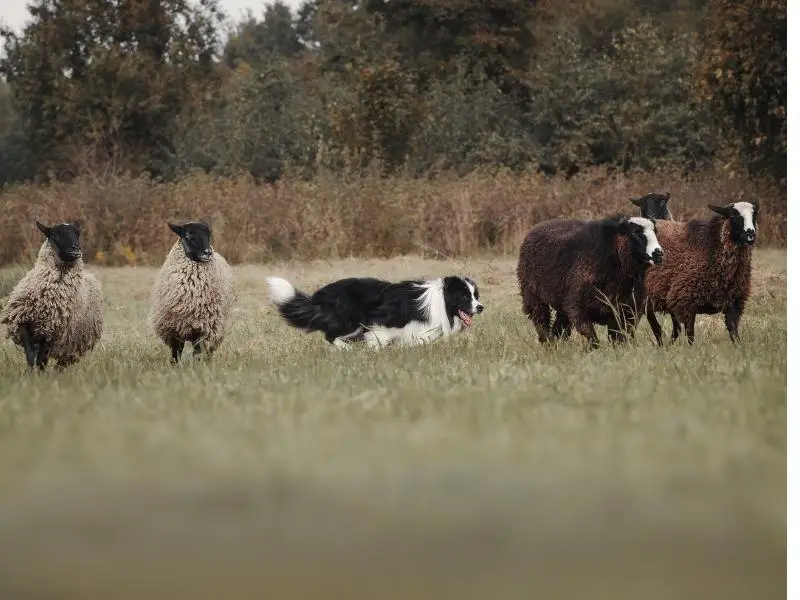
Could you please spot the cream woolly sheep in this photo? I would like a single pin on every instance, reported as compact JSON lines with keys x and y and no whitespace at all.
{"x":194,"y":293}
{"x":56,"y":310}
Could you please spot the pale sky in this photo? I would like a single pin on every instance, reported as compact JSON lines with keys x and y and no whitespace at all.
{"x":14,"y":14}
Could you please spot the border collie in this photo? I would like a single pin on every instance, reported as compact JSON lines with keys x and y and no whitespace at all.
{"x":378,"y":312}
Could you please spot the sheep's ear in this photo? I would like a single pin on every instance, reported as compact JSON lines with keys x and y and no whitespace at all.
{"x":725,"y":211}
{"x":43,"y":228}
{"x":176,"y":228}
{"x":637,"y":201}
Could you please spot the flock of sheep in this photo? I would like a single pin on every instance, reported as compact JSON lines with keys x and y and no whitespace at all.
{"x":606,"y":271}
{"x":602,"y":271}
{"x":56,"y":310}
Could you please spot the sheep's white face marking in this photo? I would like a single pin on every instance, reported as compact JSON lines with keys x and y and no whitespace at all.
{"x":649,"y":231}
{"x":746,"y":210}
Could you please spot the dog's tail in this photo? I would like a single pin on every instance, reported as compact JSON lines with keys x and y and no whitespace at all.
{"x":294,"y":306}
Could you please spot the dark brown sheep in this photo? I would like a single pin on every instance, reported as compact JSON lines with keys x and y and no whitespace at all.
{"x":579,"y":267}
{"x":651,"y":206}
{"x":706,"y":271}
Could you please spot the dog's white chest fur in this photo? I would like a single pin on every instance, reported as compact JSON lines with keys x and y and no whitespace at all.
{"x":413,"y":334}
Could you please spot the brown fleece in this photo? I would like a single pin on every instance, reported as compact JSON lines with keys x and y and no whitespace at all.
{"x":704,"y":272}
{"x":568,"y":265}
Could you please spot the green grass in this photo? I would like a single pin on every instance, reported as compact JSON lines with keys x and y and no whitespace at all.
{"x":483,"y":467}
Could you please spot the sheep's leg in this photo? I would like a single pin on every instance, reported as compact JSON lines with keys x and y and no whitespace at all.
{"x":43,"y":356}
{"x":176,"y":346}
{"x":732,"y":316}
{"x":690,"y":329}
{"x":540,"y":315}
{"x":676,"y":328}
{"x":31,"y":348}
{"x":562,"y":328}
{"x":655,"y":326}
{"x":586,"y":329}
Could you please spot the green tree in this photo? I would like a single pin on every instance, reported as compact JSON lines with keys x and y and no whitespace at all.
{"x":630,"y":106}
{"x":110,"y":74}
{"x":256,"y":42}
{"x":15,"y":160}
{"x":495,"y":35}
{"x":743,"y":77}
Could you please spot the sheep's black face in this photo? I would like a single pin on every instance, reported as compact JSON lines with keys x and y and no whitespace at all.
{"x":743,"y":217}
{"x":462,"y":298}
{"x":644,"y":243}
{"x":64,"y":239}
{"x":654,"y":206}
{"x":195,"y":239}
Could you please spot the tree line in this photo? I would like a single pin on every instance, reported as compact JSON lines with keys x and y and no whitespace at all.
{"x":411,"y":87}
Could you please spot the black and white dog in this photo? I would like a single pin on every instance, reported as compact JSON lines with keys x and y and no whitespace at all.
{"x":378,"y":312}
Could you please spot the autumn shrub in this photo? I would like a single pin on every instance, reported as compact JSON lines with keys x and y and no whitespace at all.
{"x":124,"y":218}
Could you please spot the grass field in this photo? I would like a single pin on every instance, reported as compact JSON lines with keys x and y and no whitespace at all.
{"x":483,"y":467}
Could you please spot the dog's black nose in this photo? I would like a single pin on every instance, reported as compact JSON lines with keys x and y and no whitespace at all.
{"x":480,"y":308}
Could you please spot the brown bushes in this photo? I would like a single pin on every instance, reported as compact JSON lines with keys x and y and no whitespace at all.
{"x":124,"y":218}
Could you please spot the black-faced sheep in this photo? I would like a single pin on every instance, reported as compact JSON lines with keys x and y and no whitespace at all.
{"x":194,"y":292}
{"x":56,"y":309}
{"x":707,"y":269}
{"x":579,"y":267}
{"x":653,"y":206}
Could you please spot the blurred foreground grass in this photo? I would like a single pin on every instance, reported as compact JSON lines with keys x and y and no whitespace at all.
{"x":483,"y":467}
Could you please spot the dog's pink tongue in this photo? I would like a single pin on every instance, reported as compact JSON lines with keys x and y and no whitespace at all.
{"x":465,"y":317}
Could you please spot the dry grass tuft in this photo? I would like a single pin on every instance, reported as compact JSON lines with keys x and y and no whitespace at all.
{"x":332,"y":218}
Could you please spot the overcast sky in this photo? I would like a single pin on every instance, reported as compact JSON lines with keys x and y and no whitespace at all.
{"x":14,"y":14}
